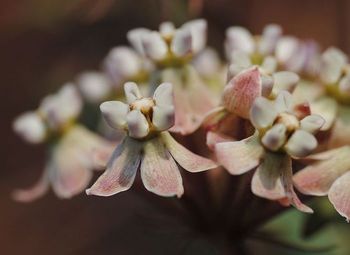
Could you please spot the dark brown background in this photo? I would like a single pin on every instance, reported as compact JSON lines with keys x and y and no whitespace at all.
{"x":45,"y":43}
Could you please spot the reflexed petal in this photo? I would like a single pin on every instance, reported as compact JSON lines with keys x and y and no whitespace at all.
{"x":115,"y":112}
{"x":185,"y":158}
{"x":30,"y":127}
{"x":263,"y":113}
{"x":241,"y":156}
{"x":239,"y":38}
{"x":275,"y":137}
{"x":135,"y":38}
{"x":266,"y":181}
{"x":339,"y":195}
{"x":154,"y":46}
{"x":284,"y":81}
{"x":181,"y":44}
{"x":333,"y":61}
{"x":327,"y":108}
{"x":312,"y":123}
{"x":198,"y":29}
{"x":241,"y":91}
{"x":163,"y":117}
{"x":163,"y":95}
{"x":284,"y":102}
{"x":269,"y":38}
{"x":132,"y":92}
{"x":213,"y":118}
{"x":301,"y":144}
{"x":214,"y":138}
{"x":159,"y":171}
{"x":137,"y":124}
{"x":316,"y":179}
{"x":35,"y":192}
{"x":121,"y":170}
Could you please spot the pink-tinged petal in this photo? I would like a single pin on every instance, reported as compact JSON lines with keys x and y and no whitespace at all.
{"x":339,"y":195}
{"x":284,"y":102}
{"x":241,"y":156}
{"x":262,"y":113}
{"x":239,"y":38}
{"x":241,"y":91}
{"x":154,"y":46}
{"x":301,"y":110}
{"x":317,"y":179}
{"x":135,"y":38}
{"x":159,"y":172}
{"x":163,"y":95}
{"x":121,"y":170}
{"x":333,"y":61}
{"x":213,"y":118}
{"x":275,"y":137}
{"x":287,"y":182}
{"x":266,"y":181}
{"x":35,"y":192}
{"x":185,"y":158}
{"x":137,"y":124}
{"x":181,"y":44}
{"x":132,"y":92}
{"x":101,"y":156}
{"x":327,"y":108}
{"x":301,"y":144}
{"x":213,"y":138}
{"x":284,"y":81}
{"x":312,"y":123}
{"x":269,"y":38}
{"x":115,"y":112}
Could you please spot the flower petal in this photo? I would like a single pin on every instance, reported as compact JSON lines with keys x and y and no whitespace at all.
{"x":181,"y":44}
{"x":286,"y":48}
{"x":312,"y":123}
{"x":269,"y":38}
{"x":198,"y":29}
{"x":163,"y":117}
{"x":159,"y":171}
{"x":241,"y":59}
{"x":284,"y":102}
{"x":262,"y":113}
{"x":327,"y":108}
{"x":269,"y":65}
{"x":216,"y":137}
{"x":239,"y":38}
{"x":275,"y":137}
{"x":241,"y":156}
{"x":166,"y":29}
{"x":132,"y":92}
{"x":121,"y":170}
{"x":154,"y":46}
{"x":284,"y":81}
{"x":185,"y":158}
{"x":94,"y":86}
{"x":301,"y":144}
{"x":135,"y":38}
{"x":333,"y":61}
{"x":317,"y":179}
{"x":137,"y":124}
{"x":163,"y":95}
{"x":35,"y":192}
{"x":266,"y":181}
{"x":30,"y":127}
{"x":115,"y":112}
{"x":339,"y":195}
{"x":241,"y":91}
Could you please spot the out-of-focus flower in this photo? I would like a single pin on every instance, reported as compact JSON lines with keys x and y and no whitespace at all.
{"x":329,"y":175}
{"x":125,"y":64}
{"x":170,"y":46}
{"x":281,"y":134}
{"x":94,"y":86}
{"x":71,"y":147}
{"x":147,"y":145}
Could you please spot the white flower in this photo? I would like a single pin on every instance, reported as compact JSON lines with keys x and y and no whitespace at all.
{"x":30,"y":127}
{"x":94,"y":86}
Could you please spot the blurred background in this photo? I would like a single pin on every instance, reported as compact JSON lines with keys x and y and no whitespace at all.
{"x":46,"y":43}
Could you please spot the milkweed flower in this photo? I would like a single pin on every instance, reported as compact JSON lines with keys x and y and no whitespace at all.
{"x":147,"y":145}
{"x":71,"y":146}
{"x":328,"y":176}
{"x":282,"y":133}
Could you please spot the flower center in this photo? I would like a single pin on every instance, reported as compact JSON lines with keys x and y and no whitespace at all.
{"x":144,"y":105}
{"x":289,"y":120}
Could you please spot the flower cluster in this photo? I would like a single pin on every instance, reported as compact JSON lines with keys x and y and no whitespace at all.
{"x":276,"y":102}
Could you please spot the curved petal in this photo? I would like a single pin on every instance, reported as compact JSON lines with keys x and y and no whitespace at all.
{"x":182,"y":42}
{"x":159,"y":171}
{"x":35,"y":192}
{"x":333,"y":61}
{"x":185,"y":158}
{"x":215,"y":137}
{"x":213,"y":118}
{"x":339,"y":195}
{"x":132,"y":92}
{"x":327,"y":108}
{"x":284,"y":81}
{"x":284,"y":102}
{"x":262,"y":113}
{"x":275,"y":137}
{"x":301,"y":144}
{"x":239,"y":38}
{"x":317,"y":179}
{"x":154,"y":46}
{"x":121,"y":170}
{"x":135,"y":38}
{"x":30,"y":127}
{"x":241,"y":91}
{"x":198,"y":29}
{"x":341,"y":132}
{"x":163,"y":117}
{"x":269,"y":38}
{"x":137,"y":124}
{"x":240,"y":157}
{"x":114,"y":112}
{"x":312,"y":123}
{"x":163,"y":95}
